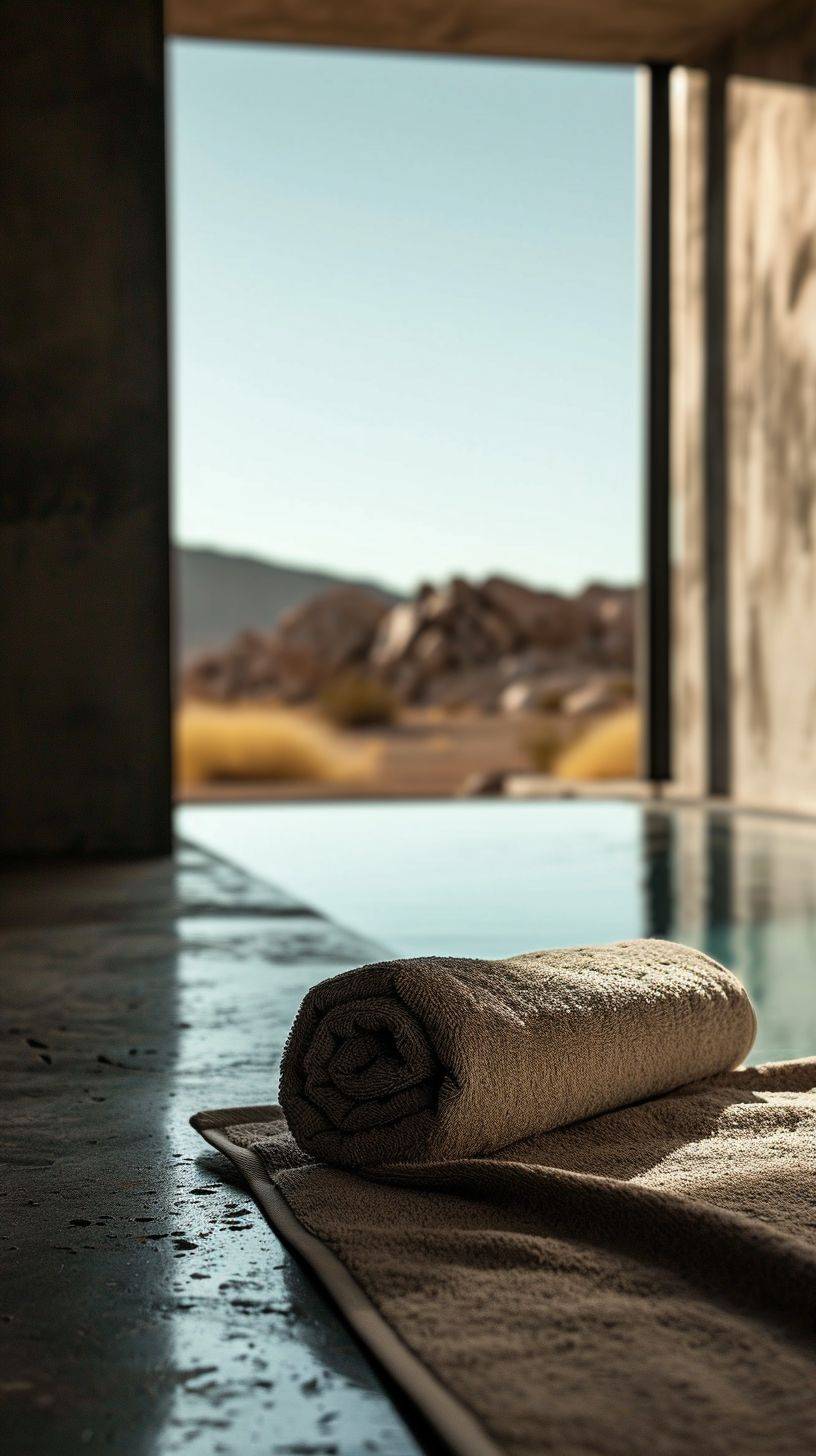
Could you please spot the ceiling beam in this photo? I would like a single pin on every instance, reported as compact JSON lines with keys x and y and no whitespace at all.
{"x":625,"y":32}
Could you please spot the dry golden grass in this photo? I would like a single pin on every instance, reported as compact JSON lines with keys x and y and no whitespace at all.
{"x":610,"y":749}
{"x":252,"y":745}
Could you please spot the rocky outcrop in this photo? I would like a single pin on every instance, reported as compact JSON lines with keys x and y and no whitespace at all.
{"x":502,"y":644}
{"x":496,"y":645}
{"x":327,"y":635}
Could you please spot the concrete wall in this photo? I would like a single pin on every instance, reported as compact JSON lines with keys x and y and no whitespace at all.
{"x":772,"y":442}
{"x":84,"y":630}
{"x":688,"y":585}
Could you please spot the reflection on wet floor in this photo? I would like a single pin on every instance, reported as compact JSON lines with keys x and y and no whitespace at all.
{"x":147,"y":1307}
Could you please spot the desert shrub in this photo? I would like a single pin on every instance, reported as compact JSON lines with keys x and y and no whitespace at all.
{"x":610,"y":749}
{"x":253,"y":744}
{"x":543,"y":743}
{"x":549,"y":699}
{"x":356,"y":701}
{"x":623,"y":686}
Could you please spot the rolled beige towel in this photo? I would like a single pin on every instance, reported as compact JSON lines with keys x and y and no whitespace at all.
{"x":440,"y":1058}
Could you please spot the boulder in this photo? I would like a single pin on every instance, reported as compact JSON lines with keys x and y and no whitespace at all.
{"x":541,"y":617}
{"x":487,"y":784}
{"x":336,"y":628}
{"x":244,"y":668}
{"x":597,"y":695}
{"x":518,"y":697}
{"x":431,"y":651}
{"x":606,"y":618}
{"x":396,"y":632}
{"x":326,"y":635}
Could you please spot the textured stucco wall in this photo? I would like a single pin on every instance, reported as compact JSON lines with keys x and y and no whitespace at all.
{"x":689,"y":751}
{"x":770,"y":464}
{"x":84,"y":633}
{"x":772,"y":442}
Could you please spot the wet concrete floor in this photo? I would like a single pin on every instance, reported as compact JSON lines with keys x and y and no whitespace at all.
{"x":146,"y":1307}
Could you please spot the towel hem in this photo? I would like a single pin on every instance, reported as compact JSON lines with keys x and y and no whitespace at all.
{"x":456,"y":1425}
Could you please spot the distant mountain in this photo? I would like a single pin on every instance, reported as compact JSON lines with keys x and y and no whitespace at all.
{"x":218,"y":594}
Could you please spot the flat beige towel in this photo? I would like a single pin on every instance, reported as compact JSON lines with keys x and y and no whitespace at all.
{"x":639,"y":1284}
{"x":444,"y":1058}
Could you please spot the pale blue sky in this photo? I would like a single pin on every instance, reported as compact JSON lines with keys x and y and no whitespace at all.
{"x":405,"y":333}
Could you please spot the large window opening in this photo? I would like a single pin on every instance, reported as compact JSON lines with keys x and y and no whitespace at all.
{"x":407,"y":423}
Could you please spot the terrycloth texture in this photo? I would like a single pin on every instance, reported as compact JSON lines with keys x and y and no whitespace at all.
{"x":440,"y":1058}
{"x":639,"y":1284}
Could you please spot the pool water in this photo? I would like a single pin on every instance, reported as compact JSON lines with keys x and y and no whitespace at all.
{"x":492,"y":878}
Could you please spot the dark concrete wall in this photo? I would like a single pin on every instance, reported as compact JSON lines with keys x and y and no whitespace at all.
{"x":84,"y":560}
